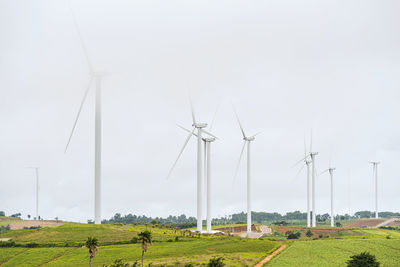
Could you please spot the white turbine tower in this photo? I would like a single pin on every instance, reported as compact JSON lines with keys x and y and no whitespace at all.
{"x":330,"y":170}
{"x":200,"y":129}
{"x":312,"y":156}
{"x":307,"y":163}
{"x":37,"y":190}
{"x":98,"y":129}
{"x":207,"y":171}
{"x":247,"y":140}
{"x":375,"y":175}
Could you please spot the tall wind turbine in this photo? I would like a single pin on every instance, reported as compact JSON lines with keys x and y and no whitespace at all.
{"x":37,"y":190}
{"x":247,"y":141}
{"x":375,"y":174}
{"x":97,"y":76}
{"x":200,"y":130}
{"x":330,"y":170}
{"x":207,"y":171}
{"x":307,"y":163}
{"x":312,"y":155}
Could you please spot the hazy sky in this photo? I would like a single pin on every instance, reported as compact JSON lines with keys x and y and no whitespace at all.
{"x":288,"y":66}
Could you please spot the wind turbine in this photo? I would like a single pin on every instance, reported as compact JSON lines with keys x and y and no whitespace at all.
{"x":375,"y":174}
{"x":330,"y":170}
{"x":207,"y":171}
{"x":307,"y":163}
{"x":37,"y":190}
{"x":97,"y":76}
{"x":200,"y":130}
{"x":247,"y":140}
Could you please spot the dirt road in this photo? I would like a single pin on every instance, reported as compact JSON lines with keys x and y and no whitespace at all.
{"x":269,"y":257}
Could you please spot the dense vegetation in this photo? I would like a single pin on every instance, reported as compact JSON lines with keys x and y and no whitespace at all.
{"x":182,"y":221}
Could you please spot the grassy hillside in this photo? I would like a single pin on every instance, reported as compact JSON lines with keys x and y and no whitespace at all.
{"x":335,"y":252}
{"x":236,"y":252}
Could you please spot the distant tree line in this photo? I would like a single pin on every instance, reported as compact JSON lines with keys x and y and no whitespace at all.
{"x":182,"y":221}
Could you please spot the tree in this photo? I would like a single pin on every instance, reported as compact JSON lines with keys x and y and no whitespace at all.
{"x":363,"y":260}
{"x":29,"y":216}
{"x":216,"y":262}
{"x":145,"y":240}
{"x":338,"y":224}
{"x":2,"y":213}
{"x":309,"y":233}
{"x":92,"y":244}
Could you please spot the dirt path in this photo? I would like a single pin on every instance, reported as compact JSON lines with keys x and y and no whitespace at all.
{"x":22,"y":224}
{"x":269,"y":257}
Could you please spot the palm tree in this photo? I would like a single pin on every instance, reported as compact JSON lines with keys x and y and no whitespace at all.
{"x":145,"y":239}
{"x":91,"y":244}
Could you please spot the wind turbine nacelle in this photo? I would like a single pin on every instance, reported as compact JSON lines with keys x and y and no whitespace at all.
{"x":252,"y":138}
{"x":199,"y":125}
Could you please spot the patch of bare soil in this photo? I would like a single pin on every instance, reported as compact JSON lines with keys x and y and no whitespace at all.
{"x":238,"y":229}
{"x":366,"y":223}
{"x":28,"y":224}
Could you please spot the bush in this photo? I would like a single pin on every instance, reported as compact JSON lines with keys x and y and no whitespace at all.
{"x":338,"y":224}
{"x":117,"y":263}
{"x":309,"y":233}
{"x":7,"y":244}
{"x":176,"y":238}
{"x":5,"y":228}
{"x":216,"y":262}
{"x":292,"y":235}
{"x":189,"y":265}
{"x":363,"y":260}
{"x":32,"y":245}
{"x":134,"y":240}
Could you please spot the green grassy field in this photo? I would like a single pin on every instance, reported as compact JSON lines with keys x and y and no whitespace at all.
{"x":75,"y":232}
{"x":62,"y":246}
{"x":236,"y":252}
{"x":335,"y":252}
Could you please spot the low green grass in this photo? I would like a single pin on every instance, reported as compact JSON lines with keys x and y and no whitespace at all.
{"x":79,"y":232}
{"x":235,"y":251}
{"x":335,"y":252}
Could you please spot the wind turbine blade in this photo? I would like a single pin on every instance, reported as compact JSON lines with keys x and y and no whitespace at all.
{"x":85,"y":51}
{"x":297,"y":163}
{"x":187,"y":130}
{"x":240,"y":125}
{"x":240,"y":158}
{"x":297,"y":174}
{"x":213,"y":119}
{"x":79,"y":113}
{"x":256,"y":134}
{"x":210,"y":134}
{"x":311,"y":142}
{"x":180,"y":153}
{"x":192,"y":110}
{"x":323,"y":172}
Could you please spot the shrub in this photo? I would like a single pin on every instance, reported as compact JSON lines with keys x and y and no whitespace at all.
{"x":134,"y":240}
{"x":292,"y":235}
{"x":189,"y":265}
{"x":363,"y":260}
{"x":309,"y":233}
{"x":117,"y":263}
{"x":216,"y":262}
{"x":7,"y":244}
{"x":176,"y":238}
{"x":32,"y":245}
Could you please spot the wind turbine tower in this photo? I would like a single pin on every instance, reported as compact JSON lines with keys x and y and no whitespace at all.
{"x":247,"y":141}
{"x":312,"y":155}
{"x":200,"y":130}
{"x":37,"y":191}
{"x":330,"y":170}
{"x":375,"y":174}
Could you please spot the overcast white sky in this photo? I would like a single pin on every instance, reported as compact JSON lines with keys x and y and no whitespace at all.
{"x":288,"y":66}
